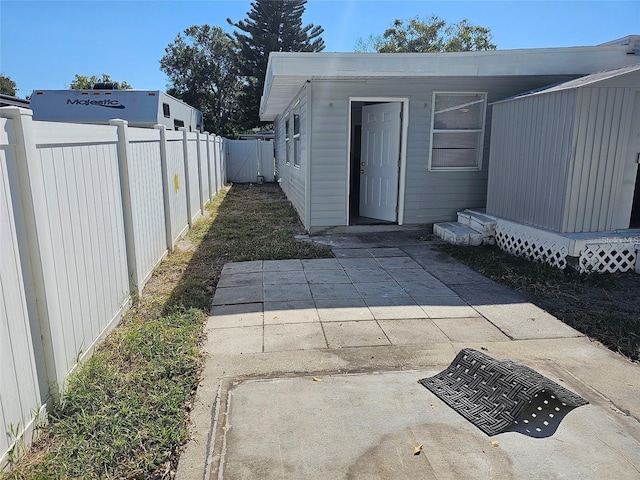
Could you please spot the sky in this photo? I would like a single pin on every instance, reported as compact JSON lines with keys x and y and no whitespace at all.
{"x":43,"y":44}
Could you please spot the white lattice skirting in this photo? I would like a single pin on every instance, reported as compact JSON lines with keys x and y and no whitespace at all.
{"x":599,"y":254}
{"x":608,"y":257}
{"x":524,"y":243}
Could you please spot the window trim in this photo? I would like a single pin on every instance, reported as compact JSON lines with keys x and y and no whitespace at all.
{"x":481,"y":131}
{"x":297,"y":155}
{"x":287,"y":156}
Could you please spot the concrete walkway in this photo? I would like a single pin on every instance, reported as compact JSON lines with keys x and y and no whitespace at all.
{"x":313,"y":365}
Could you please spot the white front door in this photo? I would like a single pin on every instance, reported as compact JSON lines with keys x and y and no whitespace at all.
{"x":380,"y":160}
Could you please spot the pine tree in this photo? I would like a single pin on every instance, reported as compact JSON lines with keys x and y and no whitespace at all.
{"x":270,"y":26}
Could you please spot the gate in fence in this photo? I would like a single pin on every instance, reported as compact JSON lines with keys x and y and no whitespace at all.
{"x":250,"y":161}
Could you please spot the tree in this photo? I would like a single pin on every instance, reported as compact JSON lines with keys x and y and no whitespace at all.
{"x":270,"y":26}
{"x":202,"y":69}
{"x":431,"y":35}
{"x":7,"y":86}
{"x":80,"y":82}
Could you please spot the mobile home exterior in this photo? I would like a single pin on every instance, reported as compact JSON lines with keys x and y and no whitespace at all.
{"x":141,"y":108}
{"x":399,"y":139}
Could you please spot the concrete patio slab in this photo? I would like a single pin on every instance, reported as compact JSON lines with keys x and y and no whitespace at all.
{"x":523,"y":321}
{"x":295,"y":336}
{"x":359,"y":263}
{"x":282,"y":265}
{"x":240,"y":279}
{"x":412,"y":331}
{"x":394,"y":308}
{"x":370,"y":275}
{"x":239,"y":315}
{"x":283,"y":277}
{"x":322,"y":291}
{"x":321,"y":264}
{"x":351,"y":253}
{"x":231,"y":295}
{"x":381,"y":290}
{"x":296,"y":311}
{"x":447,"y":307}
{"x":354,"y":334}
{"x":475,"y":329}
{"x":326,"y":276}
{"x":235,"y":341}
{"x":397,"y":262}
{"x":343,"y":309}
{"x":386,"y":252}
{"x":242,"y":267}
{"x":309,"y":434}
{"x":286,"y":293}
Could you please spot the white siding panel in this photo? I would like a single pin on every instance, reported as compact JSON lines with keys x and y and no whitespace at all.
{"x":147,"y":204}
{"x":600,"y":145}
{"x":19,"y":391}
{"x":292,"y":178}
{"x":530,"y":154}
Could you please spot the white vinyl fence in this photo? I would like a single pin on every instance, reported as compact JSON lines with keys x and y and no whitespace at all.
{"x":86,"y":213}
{"x":249,"y":159}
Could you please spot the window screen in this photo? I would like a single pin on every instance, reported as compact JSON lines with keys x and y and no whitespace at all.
{"x":296,"y":139}
{"x":286,"y":140}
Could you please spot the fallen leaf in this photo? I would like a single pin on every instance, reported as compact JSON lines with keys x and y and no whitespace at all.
{"x":495,"y":443}
{"x":316,"y":379}
{"x":417,"y":450}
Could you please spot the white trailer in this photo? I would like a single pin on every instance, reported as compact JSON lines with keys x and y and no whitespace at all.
{"x":141,"y":108}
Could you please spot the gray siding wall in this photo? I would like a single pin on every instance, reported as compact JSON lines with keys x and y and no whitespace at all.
{"x":595,"y":176}
{"x":557,"y":159}
{"x":531,"y":148}
{"x":292,"y":177}
{"x":430,"y":196}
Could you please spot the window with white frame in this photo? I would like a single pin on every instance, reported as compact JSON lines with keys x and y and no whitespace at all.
{"x":296,"y":139}
{"x":287,"y":156}
{"x":457,"y":130}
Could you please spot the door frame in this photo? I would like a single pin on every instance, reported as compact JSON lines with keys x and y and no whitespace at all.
{"x":404,"y":129}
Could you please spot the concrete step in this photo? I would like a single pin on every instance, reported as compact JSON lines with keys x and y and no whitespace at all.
{"x":478,"y":221}
{"x":458,"y":234}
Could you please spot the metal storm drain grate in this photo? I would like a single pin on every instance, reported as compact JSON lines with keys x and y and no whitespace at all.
{"x":500,"y":396}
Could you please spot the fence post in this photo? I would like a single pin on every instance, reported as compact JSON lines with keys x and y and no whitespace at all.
{"x":125,"y":189}
{"x":187,"y":183}
{"x":165,"y":185}
{"x":37,"y":257}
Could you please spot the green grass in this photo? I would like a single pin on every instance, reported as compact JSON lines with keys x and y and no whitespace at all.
{"x":125,"y":411}
{"x":603,"y":306}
